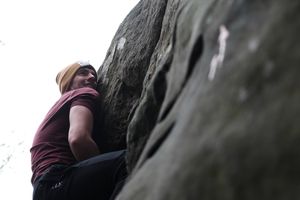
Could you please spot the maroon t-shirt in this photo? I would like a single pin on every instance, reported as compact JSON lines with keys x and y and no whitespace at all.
{"x":50,"y":144}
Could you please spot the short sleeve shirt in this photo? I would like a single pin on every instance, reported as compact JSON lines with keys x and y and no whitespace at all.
{"x":50,"y":144}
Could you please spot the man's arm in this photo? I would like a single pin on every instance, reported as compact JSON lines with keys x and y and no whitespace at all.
{"x":80,"y":133}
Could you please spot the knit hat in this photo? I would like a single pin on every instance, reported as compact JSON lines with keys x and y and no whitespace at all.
{"x":65,"y":76}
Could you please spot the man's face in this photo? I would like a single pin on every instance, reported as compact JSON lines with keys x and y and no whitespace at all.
{"x":84,"y":77}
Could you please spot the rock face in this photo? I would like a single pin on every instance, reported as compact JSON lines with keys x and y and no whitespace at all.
{"x":124,"y":69}
{"x":205,"y":96}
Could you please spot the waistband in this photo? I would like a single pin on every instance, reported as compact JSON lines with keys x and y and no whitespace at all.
{"x":52,"y":174}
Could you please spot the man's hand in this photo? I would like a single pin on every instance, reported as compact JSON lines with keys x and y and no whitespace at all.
{"x":80,"y":133}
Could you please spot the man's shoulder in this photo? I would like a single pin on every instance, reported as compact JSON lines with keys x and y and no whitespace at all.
{"x":85,"y":90}
{"x":82,"y":91}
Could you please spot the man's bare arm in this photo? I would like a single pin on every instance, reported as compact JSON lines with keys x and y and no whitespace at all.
{"x":80,"y":139}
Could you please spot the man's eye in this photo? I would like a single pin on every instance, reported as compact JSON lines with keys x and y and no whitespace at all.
{"x":83,"y":72}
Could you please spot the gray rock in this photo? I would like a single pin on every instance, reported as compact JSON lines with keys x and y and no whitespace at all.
{"x":215,"y":110}
{"x":123,"y":71}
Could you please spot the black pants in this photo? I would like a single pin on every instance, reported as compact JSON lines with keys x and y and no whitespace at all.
{"x":100,"y":177}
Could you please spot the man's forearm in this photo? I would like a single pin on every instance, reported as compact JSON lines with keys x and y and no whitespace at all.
{"x":84,"y":148}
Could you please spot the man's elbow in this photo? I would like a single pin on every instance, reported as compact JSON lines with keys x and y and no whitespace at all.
{"x":82,"y":146}
{"x":75,"y":139}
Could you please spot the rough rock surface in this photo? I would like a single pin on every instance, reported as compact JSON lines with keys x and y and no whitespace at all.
{"x":206,"y":94}
{"x":124,"y":69}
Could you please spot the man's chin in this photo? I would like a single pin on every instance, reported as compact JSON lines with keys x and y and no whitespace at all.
{"x":93,"y":86}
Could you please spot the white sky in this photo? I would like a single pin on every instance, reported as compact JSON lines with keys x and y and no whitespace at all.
{"x":37,"y":39}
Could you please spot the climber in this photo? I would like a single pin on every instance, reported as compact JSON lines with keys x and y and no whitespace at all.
{"x":65,"y":160}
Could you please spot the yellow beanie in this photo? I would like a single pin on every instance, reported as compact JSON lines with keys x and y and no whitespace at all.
{"x":65,"y":76}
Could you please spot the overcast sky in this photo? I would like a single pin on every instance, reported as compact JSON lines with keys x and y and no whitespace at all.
{"x":37,"y":39}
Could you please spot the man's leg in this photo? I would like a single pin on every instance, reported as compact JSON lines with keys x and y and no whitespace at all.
{"x":97,"y":177}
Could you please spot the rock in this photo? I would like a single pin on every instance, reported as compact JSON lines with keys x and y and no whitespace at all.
{"x":211,"y":108}
{"x":124,"y":69}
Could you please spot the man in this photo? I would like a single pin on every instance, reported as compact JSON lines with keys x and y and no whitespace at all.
{"x":65,"y":160}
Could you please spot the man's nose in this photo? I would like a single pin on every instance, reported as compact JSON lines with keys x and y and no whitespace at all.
{"x":91,"y":76}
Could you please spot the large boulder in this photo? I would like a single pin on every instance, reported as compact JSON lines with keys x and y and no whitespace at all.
{"x":124,"y":68}
{"x":207,"y":94}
